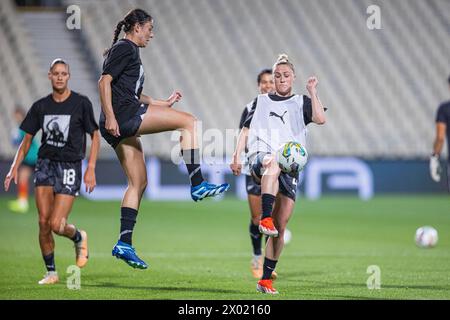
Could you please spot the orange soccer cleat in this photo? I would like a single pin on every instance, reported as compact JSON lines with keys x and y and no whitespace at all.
{"x":267,"y":227}
{"x":265,"y":286}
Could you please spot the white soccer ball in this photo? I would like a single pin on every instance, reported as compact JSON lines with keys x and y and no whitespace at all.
{"x":292,"y":157}
{"x":426,"y":237}
{"x":287,"y":236}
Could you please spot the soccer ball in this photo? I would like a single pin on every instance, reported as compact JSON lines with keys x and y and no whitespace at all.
{"x":426,"y":237}
{"x":287,"y":236}
{"x":292,"y":157}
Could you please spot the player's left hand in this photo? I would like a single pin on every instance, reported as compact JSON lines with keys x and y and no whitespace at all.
{"x":174,"y":97}
{"x":311,"y":85}
{"x":12,"y":175}
{"x":235,"y":166}
{"x":89,"y":180}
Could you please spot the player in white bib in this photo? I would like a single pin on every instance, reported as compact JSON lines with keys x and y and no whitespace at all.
{"x":265,"y":84}
{"x":273,"y":120}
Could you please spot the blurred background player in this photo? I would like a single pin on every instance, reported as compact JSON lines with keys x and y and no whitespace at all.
{"x":58,"y":168}
{"x":25,"y":171}
{"x":278,"y":189}
{"x":442,"y":129}
{"x":127,"y":114}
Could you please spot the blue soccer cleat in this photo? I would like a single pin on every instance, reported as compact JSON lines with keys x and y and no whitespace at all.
{"x":206,"y":189}
{"x":127,"y":253}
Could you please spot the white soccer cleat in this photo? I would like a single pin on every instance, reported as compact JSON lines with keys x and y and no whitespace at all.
{"x":51,"y":277}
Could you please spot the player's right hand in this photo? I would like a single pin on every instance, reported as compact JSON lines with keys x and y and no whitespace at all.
{"x":236,"y":167}
{"x":12,"y":175}
{"x":112,"y":126}
{"x":174,"y":97}
{"x":435,"y":168}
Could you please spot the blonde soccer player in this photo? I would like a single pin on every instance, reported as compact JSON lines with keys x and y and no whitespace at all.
{"x":273,"y":120}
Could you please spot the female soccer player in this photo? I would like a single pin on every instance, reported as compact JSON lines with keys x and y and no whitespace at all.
{"x":273,"y":120}
{"x":127,"y":114}
{"x":265,"y":85}
{"x":25,"y":171}
{"x":58,"y":169}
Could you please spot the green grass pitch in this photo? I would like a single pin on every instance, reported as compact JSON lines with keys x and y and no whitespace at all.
{"x":203,"y":251}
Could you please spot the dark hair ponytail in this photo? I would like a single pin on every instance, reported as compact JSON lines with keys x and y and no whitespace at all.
{"x":136,"y":16}
{"x":117,"y":31}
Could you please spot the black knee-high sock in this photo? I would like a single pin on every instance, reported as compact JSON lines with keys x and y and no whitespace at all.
{"x":267,"y":204}
{"x":255,"y":236}
{"x":49,"y":261}
{"x":127,"y":222}
{"x":268,"y":268}
{"x":191,"y":158}
{"x":77,"y":237}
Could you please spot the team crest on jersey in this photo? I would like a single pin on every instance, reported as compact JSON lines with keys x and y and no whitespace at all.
{"x":56,"y":129}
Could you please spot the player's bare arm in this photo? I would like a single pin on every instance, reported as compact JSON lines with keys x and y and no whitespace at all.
{"x":434,"y":164}
{"x":104,"y":87}
{"x":318,"y":111}
{"x":89,"y":175}
{"x":236,"y":165}
{"x":20,"y":155}
{"x":169,"y":102}
{"x":441,"y":128}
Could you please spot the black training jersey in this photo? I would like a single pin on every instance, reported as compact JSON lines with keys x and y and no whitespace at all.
{"x":123,"y":64}
{"x":307,"y":110}
{"x":64,"y":126}
{"x":443,"y":115}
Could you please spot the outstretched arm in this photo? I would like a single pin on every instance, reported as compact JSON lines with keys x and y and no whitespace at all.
{"x":20,"y":155}
{"x":318,"y":111}
{"x":174,"y":97}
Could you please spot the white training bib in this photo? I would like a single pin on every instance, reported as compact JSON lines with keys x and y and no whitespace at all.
{"x":274,"y":123}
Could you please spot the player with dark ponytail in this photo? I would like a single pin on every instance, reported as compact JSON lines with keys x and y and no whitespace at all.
{"x":127,"y":113}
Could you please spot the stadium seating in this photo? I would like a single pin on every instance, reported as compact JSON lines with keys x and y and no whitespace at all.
{"x":382,"y":87}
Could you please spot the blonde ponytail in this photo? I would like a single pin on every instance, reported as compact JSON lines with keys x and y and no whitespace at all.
{"x":283,"y":58}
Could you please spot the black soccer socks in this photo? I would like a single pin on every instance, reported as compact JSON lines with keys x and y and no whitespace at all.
{"x":256,"y":236}
{"x":77,"y":237}
{"x":127,"y":222}
{"x":191,"y":158}
{"x":268,"y":268}
{"x":267,"y":204}
{"x":49,"y":261}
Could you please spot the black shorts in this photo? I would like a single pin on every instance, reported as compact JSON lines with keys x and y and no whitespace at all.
{"x":288,"y":184}
{"x":127,"y":129}
{"x":64,"y":177}
{"x":252,"y":186}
